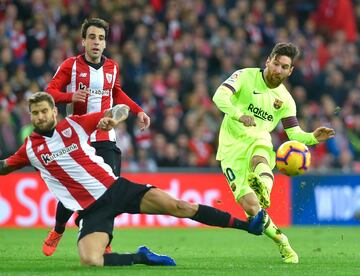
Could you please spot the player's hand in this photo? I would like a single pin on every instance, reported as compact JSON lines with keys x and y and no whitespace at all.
{"x":323,"y":133}
{"x":143,"y":120}
{"x":113,"y":116}
{"x":107,"y":123}
{"x":79,"y":96}
{"x":247,"y":120}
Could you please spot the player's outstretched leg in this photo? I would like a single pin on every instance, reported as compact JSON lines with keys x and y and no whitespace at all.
{"x":52,"y":240}
{"x":156,"y":201}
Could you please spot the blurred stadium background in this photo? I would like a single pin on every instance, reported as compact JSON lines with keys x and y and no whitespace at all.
{"x":172,"y":56}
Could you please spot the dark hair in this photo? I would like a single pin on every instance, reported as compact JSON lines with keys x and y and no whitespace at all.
{"x":97,"y":22}
{"x":41,"y":97}
{"x":285,"y":49}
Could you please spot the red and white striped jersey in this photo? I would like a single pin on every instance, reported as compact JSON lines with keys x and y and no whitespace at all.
{"x":67,"y":163}
{"x":103,"y":85}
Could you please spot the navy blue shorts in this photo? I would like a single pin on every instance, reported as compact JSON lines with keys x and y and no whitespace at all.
{"x":110,"y":153}
{"x":123,"y":196}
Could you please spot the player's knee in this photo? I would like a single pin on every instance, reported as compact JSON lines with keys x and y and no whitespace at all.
{"x":91,"y":260}
{"x":250,"y":204}
{"x":185,"y":209}
{"x":253,"y":210}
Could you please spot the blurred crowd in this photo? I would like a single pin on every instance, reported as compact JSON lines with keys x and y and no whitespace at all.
{"x":174,"y":54}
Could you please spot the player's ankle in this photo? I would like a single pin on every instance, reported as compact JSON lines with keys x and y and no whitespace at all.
{"x":283,"y":239}
{"x":59,"y":228}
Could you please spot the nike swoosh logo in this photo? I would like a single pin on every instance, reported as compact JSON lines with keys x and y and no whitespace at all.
{"x":256,"y":93}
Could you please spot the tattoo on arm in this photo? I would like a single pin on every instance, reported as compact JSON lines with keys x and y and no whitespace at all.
{"x":120,"y":111}
{"x":108,"y":113}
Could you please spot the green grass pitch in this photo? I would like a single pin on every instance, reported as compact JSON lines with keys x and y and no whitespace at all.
{"x":207,"y":251}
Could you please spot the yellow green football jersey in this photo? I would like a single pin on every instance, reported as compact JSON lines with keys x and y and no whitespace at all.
{"x":251,"y":96}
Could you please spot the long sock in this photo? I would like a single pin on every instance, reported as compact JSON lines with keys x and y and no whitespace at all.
{"x":272,"y":231}
{"x":265,"y":173}
{"x":215,"y":217}
{"x":116,"y":259}
{"x":62,"y":216}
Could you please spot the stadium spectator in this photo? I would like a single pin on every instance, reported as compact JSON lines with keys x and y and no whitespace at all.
{"x":332,"y":16}
{"x":354,"y":138}
{"x":38,"y":65}
{"x":8,"y":134}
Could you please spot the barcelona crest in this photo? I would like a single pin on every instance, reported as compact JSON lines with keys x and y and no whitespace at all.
{"x":277,"y":103}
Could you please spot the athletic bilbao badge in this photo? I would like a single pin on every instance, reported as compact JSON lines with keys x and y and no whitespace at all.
{"x":67,"y":132}
{"x":108,"y":77}
{"x":278,"y":104}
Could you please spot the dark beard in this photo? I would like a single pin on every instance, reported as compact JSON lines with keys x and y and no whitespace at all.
{"x":46,"y":132}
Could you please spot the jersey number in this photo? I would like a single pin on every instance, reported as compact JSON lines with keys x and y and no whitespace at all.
{"x":229,"y":174}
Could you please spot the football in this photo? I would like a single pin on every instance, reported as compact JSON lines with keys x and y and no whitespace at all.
{"x":293,"y":158}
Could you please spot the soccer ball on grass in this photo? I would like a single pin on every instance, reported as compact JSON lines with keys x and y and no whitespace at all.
{"x":293,"y":158}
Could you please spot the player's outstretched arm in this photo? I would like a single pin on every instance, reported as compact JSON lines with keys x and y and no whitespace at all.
{"x":114,"y":116}
{"x":4,"y":168}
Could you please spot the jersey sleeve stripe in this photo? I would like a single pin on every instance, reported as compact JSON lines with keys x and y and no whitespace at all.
{"x":289,"y":122}
{"x":230,"y":87}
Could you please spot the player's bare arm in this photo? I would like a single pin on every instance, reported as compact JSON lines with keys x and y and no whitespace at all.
{"x":323,"y":133}
{"x":4,"y":168}
{"x":114,"y":116}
